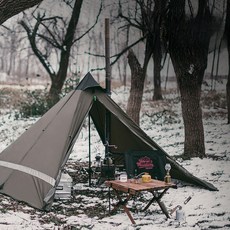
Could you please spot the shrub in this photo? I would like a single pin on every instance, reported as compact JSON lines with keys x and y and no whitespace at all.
{"x":37,"y":102}
{"x":70,"y":84}
{"x":34,"y":103}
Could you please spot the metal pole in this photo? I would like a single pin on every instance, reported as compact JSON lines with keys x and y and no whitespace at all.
{"x":107,"y":84}
{"x":107,"y":58}
{"x":108,"y":92}
{"x":89,"y":151}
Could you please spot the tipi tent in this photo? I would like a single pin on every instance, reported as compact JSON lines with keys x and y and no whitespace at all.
{"x":30,"y":168}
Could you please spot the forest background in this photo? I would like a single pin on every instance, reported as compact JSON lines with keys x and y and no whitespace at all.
{"x":58,"y":43}
{"x":35,"y":45}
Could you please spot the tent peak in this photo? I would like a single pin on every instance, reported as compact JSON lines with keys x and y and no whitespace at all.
{"x":87,"y":82}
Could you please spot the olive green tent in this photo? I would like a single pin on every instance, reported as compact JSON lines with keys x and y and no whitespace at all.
{"x":31,"y":167}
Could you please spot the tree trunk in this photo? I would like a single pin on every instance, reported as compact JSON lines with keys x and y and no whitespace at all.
{"x":157,"y":94}
{"x":188,"y":48}
{"x":190,"y":92}
{"x":157,"y":52}
{"x":55,"y":91}
{"x":137,"y":87}
{"x":138,"y":75}
{"x":227,"y":32}
{"x":228,"y":89}
{"x":9,"y":8}
{"x":124,"y":61}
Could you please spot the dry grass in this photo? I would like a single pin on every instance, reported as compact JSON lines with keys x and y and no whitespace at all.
{"x":10,"y":97}
{"x":212,"y":102}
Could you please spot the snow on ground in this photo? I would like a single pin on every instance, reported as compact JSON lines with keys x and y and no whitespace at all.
{"x":89,"y":210}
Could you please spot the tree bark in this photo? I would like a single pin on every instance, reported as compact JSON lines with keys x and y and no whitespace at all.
{"x":188,"y":48}
{"x":157,"y":93}
{"x":137,"y":87}
{"x":9,"y":8}
{"x":227,"y":33}
{"x":159,"y":10}
{"x":190,"y":92}
{"x":228,"y":88}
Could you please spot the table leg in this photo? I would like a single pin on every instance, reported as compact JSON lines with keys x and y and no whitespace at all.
{"x":157,"y":197}
{"x":123,"y":203}
{"x":163,"y":208}
{"x":129,"y":214}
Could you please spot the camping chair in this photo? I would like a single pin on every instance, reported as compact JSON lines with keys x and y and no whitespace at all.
{"x":152,"y":162}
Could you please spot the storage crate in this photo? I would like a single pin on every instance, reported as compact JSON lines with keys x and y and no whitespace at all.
{"x":64,"y":188}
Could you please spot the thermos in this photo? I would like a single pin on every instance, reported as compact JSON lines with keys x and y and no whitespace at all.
{"x":180,"y":215}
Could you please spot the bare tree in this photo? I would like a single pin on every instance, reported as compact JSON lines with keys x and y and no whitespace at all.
{"x":188,"y":43}
{"x":9,"y":8}
{"x":158,"y":13}
{"x":57,"y":38}
{"x":12,"y":51}
{"x":146,"y":16}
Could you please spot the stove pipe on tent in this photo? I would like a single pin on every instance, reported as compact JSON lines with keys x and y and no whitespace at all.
{"x":107,"y":85}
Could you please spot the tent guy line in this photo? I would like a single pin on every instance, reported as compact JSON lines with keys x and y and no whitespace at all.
{"x":29,"y":171}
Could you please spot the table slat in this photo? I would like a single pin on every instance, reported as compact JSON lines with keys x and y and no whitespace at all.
{"x":127,"y":186}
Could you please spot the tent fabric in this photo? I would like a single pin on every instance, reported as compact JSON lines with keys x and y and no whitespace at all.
{"x":30,"y":168}
{"x":126,"y":135}
{"x":88,"y":82}
{"x":44,"y":148}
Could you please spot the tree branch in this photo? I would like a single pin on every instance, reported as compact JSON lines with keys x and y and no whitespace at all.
{"x":32,"y":38}
{"x":128,"y":19}
{"x":117,"y":55}
{"x":9,"y":8}
{"x":77,"y":39}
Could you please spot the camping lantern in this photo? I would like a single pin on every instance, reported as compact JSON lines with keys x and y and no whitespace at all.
{"x":98,"y":161}
{"x":167,"y":178}
{"x":108,"y":160}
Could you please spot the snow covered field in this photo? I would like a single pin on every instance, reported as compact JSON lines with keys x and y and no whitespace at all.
{"x":161,"y":121}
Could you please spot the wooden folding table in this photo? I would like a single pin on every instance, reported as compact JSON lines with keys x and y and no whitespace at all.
{"x":131,"y":188}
